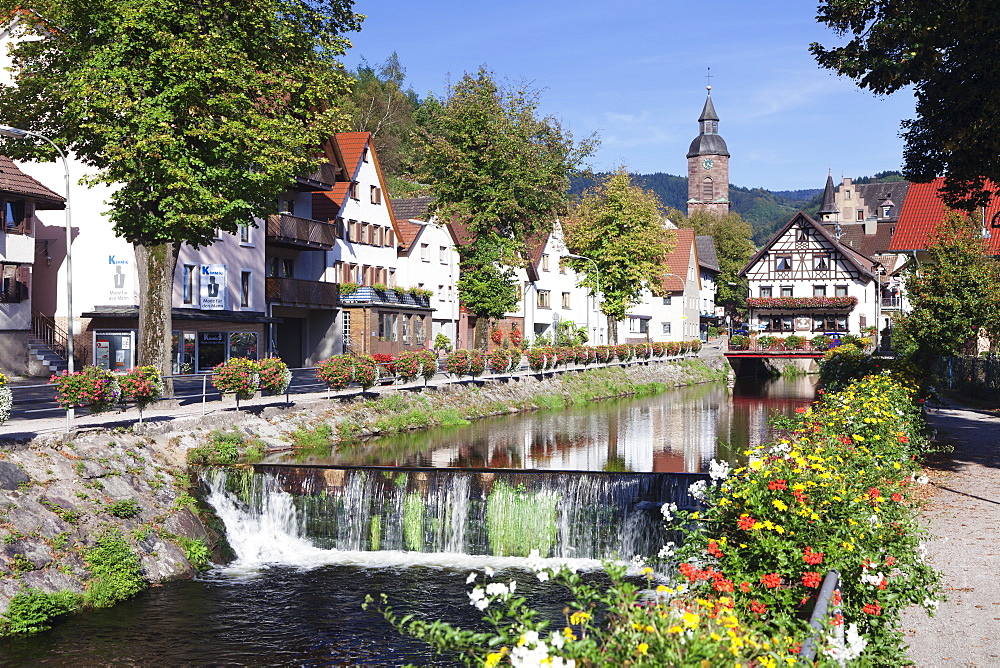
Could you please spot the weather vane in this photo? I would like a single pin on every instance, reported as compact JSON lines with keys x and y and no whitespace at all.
{"x":708,"y":77}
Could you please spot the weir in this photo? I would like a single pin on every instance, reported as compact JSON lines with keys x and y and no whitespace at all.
{"x":270,"y":510}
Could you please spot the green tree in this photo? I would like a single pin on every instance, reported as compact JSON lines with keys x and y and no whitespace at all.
{"x":734,"y":246}
{"x":501,"y":172}
{"x":953,"y":295}
{"x":201,"y":113}
{"x":949,"y":53}
{"x":621,"y":228}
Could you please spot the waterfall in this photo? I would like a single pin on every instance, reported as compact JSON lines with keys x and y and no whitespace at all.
{"x":302,"y":515}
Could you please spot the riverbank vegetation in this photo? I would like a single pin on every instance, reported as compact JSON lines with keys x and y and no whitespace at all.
{"x":835,"y":490}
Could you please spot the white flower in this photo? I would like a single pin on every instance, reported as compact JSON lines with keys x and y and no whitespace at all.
{"x":512,"y":586}
{"x":478,"y":599}
{"x":668,"y":510}
{"x":557,"y":640}
{"x":856,"y":643}
{"x":488,"y":571}
{"x":471,"y":578}
{"x":922,"y":480}
{"x":930,"y":604}
{"x":532,"y":652}
{"x":666,"y":551}
{"x":559,"y":662}
{"x":697,"y":489}
{"x":497,"y":589}
{"x":718,"y":471}
{"x":542,"y":575}
{"x":872,"y":578}
{"x":873,"y":519}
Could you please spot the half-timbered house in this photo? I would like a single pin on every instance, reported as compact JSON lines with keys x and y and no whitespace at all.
{"x":806,"y":282}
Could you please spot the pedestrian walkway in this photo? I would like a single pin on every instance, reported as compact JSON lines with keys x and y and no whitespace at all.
{"x":964,"y":515}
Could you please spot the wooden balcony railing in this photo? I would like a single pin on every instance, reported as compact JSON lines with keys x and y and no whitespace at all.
{"x":296,"y":292}
{"x":303,"y":233}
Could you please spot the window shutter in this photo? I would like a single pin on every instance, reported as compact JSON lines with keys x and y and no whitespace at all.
{"x":24,"y":278}
{"x":29,"y":217}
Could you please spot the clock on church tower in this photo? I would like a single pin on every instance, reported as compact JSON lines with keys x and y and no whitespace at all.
{"x":708,"y":165}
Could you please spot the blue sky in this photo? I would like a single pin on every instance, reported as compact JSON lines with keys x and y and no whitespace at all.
{"x":634,"y":71}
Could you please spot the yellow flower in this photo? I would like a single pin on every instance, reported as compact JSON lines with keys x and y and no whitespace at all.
{"x":643,"y":648}
{"x":493,"y":658}
{"x":647,"y":570}
{"x":779,"y":504}
{"x":664,"y":589}
{"x":579,"y":617}
{"x":675,"y":629}
{"x":568,"y":633}
{"x":691,"y":620}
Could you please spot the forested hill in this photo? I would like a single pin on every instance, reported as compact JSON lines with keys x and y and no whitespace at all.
{"x":765,"y":210}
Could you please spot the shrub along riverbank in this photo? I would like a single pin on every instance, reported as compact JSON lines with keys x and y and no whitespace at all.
{"x":834,"y":491}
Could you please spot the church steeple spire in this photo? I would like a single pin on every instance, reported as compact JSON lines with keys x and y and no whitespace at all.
{"x":708,"y":163}
{"x":829,"y":211}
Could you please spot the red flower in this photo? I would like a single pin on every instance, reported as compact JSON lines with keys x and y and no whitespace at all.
{"x":758,"y":607}
{"x":812,"y":558}
{"x":837,"y":619}
{"x":812,"y":579}
{"x":904,"y":439}
{"x":713,"y":549}
{"x":722,"y":584}
{"x":746,"y":522}
{"x":836,"y":598}
{"x":897,"y":497}
{"x":800,"y":409}
{"x":771,"y":580}
{"x":777,"y":484}
{"x":873,"y":609}
{"x":873,"y":493}
{"x":890,"y":561}
{"x":744,"y":587}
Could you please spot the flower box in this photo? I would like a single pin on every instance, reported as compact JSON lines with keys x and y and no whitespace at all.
{"x":802,"y":302}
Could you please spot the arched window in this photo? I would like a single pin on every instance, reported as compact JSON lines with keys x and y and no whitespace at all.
{"x":707,"y":191}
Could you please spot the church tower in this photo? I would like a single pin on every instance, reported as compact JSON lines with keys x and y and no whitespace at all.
{"x":708,"y":165}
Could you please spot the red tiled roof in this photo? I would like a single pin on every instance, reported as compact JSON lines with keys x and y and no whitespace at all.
{"x":352,"y":146}
{"x":408,"y":233}
{"x":679,"y":260}
{"x":924,"y":210}
{"x":13,"y":180}
{"x":327,"y":204}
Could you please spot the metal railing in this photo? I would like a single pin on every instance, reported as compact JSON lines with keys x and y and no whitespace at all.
{"x":45,"y":329}
{"x":978,"y":376}
{"x":892,"y":303}
{"x":827,"y":605}
{"x":298,"y":291}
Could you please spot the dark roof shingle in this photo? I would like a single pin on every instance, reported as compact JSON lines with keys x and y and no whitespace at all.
{"x":13,"y":180}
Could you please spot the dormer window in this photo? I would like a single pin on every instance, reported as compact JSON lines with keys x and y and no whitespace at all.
{"x":885,"y":211}
{"x":17,"y":215}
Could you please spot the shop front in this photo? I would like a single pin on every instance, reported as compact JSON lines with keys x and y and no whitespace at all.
{"x":198,"y":352}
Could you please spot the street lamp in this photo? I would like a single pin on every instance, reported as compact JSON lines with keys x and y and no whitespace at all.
{"x":597,"y":278}
{"x":17,"y":133}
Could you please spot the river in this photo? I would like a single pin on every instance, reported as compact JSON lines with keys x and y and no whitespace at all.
{"x":294,"y":597}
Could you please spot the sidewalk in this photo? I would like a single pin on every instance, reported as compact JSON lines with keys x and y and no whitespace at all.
{"x":964,"y":515}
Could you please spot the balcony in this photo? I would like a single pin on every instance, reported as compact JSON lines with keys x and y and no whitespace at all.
{"x":296,"y":292}
{"x":892,"y":303}
{"x":288,"y":231}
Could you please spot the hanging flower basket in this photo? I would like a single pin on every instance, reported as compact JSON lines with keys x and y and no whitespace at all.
{"x":141,"y":385}
{"x":499,"y":360}
{"x":457,"y":363}
{"x":337,"y":372}
{"x":496,"y":336}
{"x":274,"y":375}
{"x":408,"y":365}
{"x":365,"y":371}
{"x":238,"y":376}
{"x":92,"y":387}
{"x":536,"y":359}
{"x":477,"y":363}
{"x":428,"y":364}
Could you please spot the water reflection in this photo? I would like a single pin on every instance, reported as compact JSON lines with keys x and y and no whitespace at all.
{"x":680,"y":430}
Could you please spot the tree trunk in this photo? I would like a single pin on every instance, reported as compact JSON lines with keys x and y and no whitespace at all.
{"x":481,"y":334}
{"x":156,"y":264}
{"x":612,"y":331}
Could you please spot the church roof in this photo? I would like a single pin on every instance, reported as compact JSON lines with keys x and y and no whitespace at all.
{"x":708,"y":145}
{"x":829,"y":197}
{"x":708,"y":113}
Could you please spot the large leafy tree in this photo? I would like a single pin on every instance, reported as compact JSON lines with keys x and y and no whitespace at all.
{"x":621,"y":228}
{"x":950,"y":53}
{"x":953,"y":295}
{"x":501,"y":172}
{"x":201,"y":112}
{"x":733,"y":245}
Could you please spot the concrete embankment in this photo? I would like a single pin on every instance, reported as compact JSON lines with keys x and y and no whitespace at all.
{"x":57,"y":496}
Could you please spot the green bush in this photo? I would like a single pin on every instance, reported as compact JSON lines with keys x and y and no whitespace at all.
{"x":222,"y":449}
{"x":115,"y":570}
{"x":125,"y":509}
{"x":33,"y":611}
{"x":195,"y":550}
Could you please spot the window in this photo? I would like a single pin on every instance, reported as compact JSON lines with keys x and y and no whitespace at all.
{"x":562,"y":266}
{"x":861,"y":215}
{"x":187,"y":283}
{"x":543,"y":299}
{"x":378,"y":235}
{"x":565,"y":300}
{"x":666,"y":327}
{"x":341,"y":232}
{"x":821,"y":262}
{"x":364,"y":156}
{"x":418,"y":329}
{"x":783,"y":262}
{"x":440,"y":293}
{"x":243,"y":344}
{"x":819,"y":291}
{"x":14,"y":287}
{"x":17,"y":216}
{"x":246,"y":235}
{"x":707,"y":189}
{"x":840,"y":291}
{"x":545,"y":262}
{"x":390,"y":238}
{"x":245,"y":289}
{"x":765,"y":291}
{"x":847,"y":194}
{"x":352,"y":231}
{"x":803,"y":234}
{"x":387,"y":323}
{"x":885,"y":211}
{"x":354,"y":190}
{"x":286,"y":206}
{"x":633,"y":325}
{"x":425,"y":253}
{"x":347,"y":328}
{"x":443,"y":254}
{"x":376,"y":195}
{"x":787,"y":323}
{"x":287,"y":267}
{"x":666,"y":300}
{"x":406,"y":328}
{"x":786,"y":291}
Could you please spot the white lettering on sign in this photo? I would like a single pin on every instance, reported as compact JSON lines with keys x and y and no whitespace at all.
{"x":213,"y":287}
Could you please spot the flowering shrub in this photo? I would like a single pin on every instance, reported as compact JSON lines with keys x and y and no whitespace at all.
{"x":659,"y":349}
{"x":565,"y":355}
{"x":477,"y":363}
{"x":601,"y":354}
{"x":801,"y":302}
{"x":93,"y":387}
{"x":457,"y":362}
{"x":795,"y":342}
{"x":767,"y":341}
{"x":496,"y":336}
{"x":6,"y":399}
{"x":536,"y":359}
{"x":274,"y":375}
{"x":515,"y":336}
{"x":428,"y":364}
{"x":365,"y":371}
{"x":499,"y":360}
{"x":337,"y":372}
{"x":623,"y":352}
{"x":842,"y":364}
{"x":695,"y":345}
{"x":551,"y":357}
{"x":581,"y":354}
{"x":834,"y":493}
{"x":385,"y":361}
{"x":408,"y":365}
{"x":238,"y":376}
{"x":142,"y":385}
{"x":736,"y":342}
{"x":672,"y":348}
{"x":821,"y":342}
